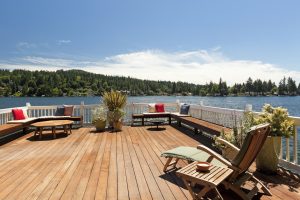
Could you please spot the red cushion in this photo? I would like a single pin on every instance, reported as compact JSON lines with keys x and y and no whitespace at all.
{"x":68,"y":110}
{"x":160,"y":107}
{"x":18,"y":114}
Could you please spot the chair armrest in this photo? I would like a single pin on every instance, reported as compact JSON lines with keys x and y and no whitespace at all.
{"x":229,"y":151}
{"x":214,"y":154}
{"x":227,"y":144}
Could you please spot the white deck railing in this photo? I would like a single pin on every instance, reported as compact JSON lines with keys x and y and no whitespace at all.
{"x":223,"y":116}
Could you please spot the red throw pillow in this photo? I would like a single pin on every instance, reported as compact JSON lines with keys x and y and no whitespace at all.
{"x":160,"y":107}
{"x":68,"y":110}
{"x":18,"y":114}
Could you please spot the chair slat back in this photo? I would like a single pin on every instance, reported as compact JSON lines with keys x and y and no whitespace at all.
{"x":252,"y":145}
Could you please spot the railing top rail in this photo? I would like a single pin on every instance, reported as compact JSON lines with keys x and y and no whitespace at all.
{"x":7,"y":110}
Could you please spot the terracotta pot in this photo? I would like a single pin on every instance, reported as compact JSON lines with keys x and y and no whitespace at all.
{"x":117,"y":125}
{"x":268,"y":158}
{"x":100,"y":125}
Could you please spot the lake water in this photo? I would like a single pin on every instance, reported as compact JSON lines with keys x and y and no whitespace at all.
{"x":291,"y":103}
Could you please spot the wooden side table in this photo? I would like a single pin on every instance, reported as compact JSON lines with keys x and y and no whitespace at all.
{"x":209,"y":180}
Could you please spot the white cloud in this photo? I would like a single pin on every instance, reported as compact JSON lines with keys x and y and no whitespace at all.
{"x":62,"y":42}
{"x":25,"y":45}
{"x":191,"y":66}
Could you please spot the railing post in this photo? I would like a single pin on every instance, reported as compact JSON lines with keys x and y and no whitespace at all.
{"x":295,"y":145}
{"x":81,"y":111}
{"x":288,"y":149}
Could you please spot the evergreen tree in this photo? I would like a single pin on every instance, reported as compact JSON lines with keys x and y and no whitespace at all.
{"x":249,"y":86}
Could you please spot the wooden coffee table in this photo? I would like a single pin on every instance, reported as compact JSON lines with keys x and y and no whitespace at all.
{"x":53,"y":124}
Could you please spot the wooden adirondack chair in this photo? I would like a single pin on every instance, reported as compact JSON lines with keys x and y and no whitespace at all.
{"x":241,"y":163}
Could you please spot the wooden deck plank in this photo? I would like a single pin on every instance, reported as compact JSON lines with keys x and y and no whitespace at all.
{"x":124,"y":165}
{"x":140,"y":177}
{"x":163,"y":186}
{"x":65,"y":172}
{"x":83,"y":169}
{"x":103,"y":177}
{"x":151,"y":182}
{"x":160,"y":147}
{"x":93,"y":180}
{"x":23,"y":190}
{"x":122,"y":180}
{"x":112,"y":182}
{"x":155,"y":155}
{"x":24,"y":172}
{"x":133,"y":189}
{"x":84,"y":179}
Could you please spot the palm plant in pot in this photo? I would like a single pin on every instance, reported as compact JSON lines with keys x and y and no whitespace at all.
{"x":281,"y":126}
{"x":114,"y":101}
{"x":99,"y":116}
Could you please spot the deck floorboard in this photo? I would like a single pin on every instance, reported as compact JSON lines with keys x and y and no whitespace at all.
{"x":108,"y":165}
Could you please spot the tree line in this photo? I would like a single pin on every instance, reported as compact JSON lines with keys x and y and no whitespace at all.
{"x":81,"y":83}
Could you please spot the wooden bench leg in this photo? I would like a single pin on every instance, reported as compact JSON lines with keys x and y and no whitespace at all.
{"x":169,"y":120}
{"x":143,"y":121}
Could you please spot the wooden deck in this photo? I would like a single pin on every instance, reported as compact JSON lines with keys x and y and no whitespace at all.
{"x":88,"y":165}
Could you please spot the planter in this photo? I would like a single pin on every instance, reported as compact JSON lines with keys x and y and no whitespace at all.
{"x":110,"y":119}
{"x":268,"y":158}
{"x":117,"y":125}
{"x":100,"y":125}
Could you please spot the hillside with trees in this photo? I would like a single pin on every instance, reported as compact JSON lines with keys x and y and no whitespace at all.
{"x":81,"y":83}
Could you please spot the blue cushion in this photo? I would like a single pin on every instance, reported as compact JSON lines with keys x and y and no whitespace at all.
{"x":184,"y":109}
{"x":60,"y":111}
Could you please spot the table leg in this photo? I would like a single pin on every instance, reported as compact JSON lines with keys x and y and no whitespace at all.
{"x":36,"y":131}
{"x":54,"y":132}
{"x":188,"y":185}
{"x":41,"y":132}
{"x":70,"y":128}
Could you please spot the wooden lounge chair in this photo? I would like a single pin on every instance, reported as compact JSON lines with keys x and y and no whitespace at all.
{"x":240,"y":164}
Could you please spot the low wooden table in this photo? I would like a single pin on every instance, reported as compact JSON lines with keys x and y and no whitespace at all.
{"x":66,"y":124}
{"x":209,"y":180}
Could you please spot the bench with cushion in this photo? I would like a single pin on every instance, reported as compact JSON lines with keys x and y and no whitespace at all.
{"x":154,"y":111}
{"x":22,"y":121}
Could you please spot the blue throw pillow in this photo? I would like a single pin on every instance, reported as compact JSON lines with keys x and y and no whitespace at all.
{"x":184,"y":109}
{"x":60,"y":111}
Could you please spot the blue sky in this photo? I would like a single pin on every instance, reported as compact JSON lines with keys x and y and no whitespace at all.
{"x":129,"y":37}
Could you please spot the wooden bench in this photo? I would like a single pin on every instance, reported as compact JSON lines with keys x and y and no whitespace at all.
{"x":6,"y":129}
{"x":149,"y":116}
{"x":201,"y":125}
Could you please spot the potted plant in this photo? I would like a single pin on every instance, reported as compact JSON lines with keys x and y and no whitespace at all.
{"x":99,"y":116}
{"x":117,"y":117}
{"x":281,"y":126}
{"x":114,"y":100}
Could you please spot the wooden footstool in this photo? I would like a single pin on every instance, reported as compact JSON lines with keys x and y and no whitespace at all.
{"x":209,"y":180}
